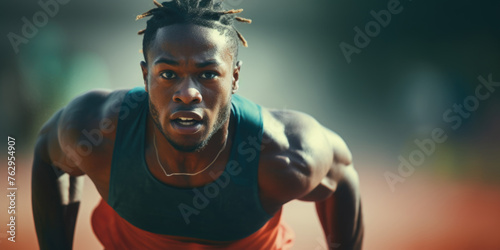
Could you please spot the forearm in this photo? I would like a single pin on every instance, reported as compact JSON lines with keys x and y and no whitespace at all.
{"x":54,"y":217}
{"x":72,"y":205}
{"x":341,"y":216}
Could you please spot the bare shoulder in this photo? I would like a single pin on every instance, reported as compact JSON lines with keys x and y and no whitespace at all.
{"x":298,"y":154}
{"x":91,"y":110}
{"x":81,"y":130}
{"x":298,"y":131}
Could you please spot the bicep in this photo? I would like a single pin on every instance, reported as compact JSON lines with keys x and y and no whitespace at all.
{"x":50,"y":147}
{"x":339,"y":174}
{"x":69,"y":148}
{"x":316,"y":158}
{"x":340,"y":169}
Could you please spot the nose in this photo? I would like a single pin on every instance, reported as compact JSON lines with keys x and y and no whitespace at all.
{"x":187,"y":93}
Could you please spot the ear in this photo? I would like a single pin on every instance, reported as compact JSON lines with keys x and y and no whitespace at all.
{"x":236,"y":76}
{"x":144,"y":68}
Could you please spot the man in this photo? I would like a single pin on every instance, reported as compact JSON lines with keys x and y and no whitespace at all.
{"x":184,"y":163}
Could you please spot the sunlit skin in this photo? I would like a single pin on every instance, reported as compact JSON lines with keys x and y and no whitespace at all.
{"x":192,"y":69}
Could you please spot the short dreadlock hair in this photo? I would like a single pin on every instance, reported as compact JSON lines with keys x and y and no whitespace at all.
{"x":208,"y":13}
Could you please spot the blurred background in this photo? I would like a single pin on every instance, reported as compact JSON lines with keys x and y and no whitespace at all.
{"x":394,"y":82}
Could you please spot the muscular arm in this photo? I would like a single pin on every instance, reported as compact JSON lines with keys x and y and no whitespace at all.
{"x":340,"y":213}
{"x":309,"y":162}
{"x":58,"y":166}
{"x":55,"y":195}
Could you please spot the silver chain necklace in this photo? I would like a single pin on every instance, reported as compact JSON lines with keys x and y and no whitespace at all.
{"x":172,"y":174}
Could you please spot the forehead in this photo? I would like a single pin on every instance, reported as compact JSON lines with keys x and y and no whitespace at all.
{"x":190,"y":42}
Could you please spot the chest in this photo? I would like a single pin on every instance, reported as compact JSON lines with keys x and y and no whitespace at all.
{"x":227,"y":208}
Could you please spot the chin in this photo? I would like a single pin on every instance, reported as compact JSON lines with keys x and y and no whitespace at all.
{"x":188,"y":148}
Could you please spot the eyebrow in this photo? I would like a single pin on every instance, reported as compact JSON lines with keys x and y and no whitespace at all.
{"x":207,"y":63}
{"x":166,"y":61}
{"x":198,"y":65}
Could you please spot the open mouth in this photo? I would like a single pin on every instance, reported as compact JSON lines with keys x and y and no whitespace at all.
{"x":186,"y":125}
{"x":186,"y":122}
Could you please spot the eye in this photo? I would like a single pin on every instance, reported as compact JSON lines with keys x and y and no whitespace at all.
{"x":168,"y":75}
{"x":209,"y":75}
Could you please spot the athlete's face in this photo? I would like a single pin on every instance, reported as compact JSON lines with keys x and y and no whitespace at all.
{"x":190,"y":77}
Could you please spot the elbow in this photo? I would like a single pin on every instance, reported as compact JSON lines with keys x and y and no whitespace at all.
{"x":348,"y":185}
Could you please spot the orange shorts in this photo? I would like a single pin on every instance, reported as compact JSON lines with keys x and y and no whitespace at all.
{"x":116,"y":233}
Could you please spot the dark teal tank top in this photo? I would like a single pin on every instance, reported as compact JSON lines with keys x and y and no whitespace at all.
{"x":226,"y":209}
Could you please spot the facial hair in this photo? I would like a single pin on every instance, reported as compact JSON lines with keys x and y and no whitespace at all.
{"x":222,"y":118}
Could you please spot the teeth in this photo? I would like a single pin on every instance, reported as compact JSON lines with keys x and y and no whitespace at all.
{"x":186,"y":123}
